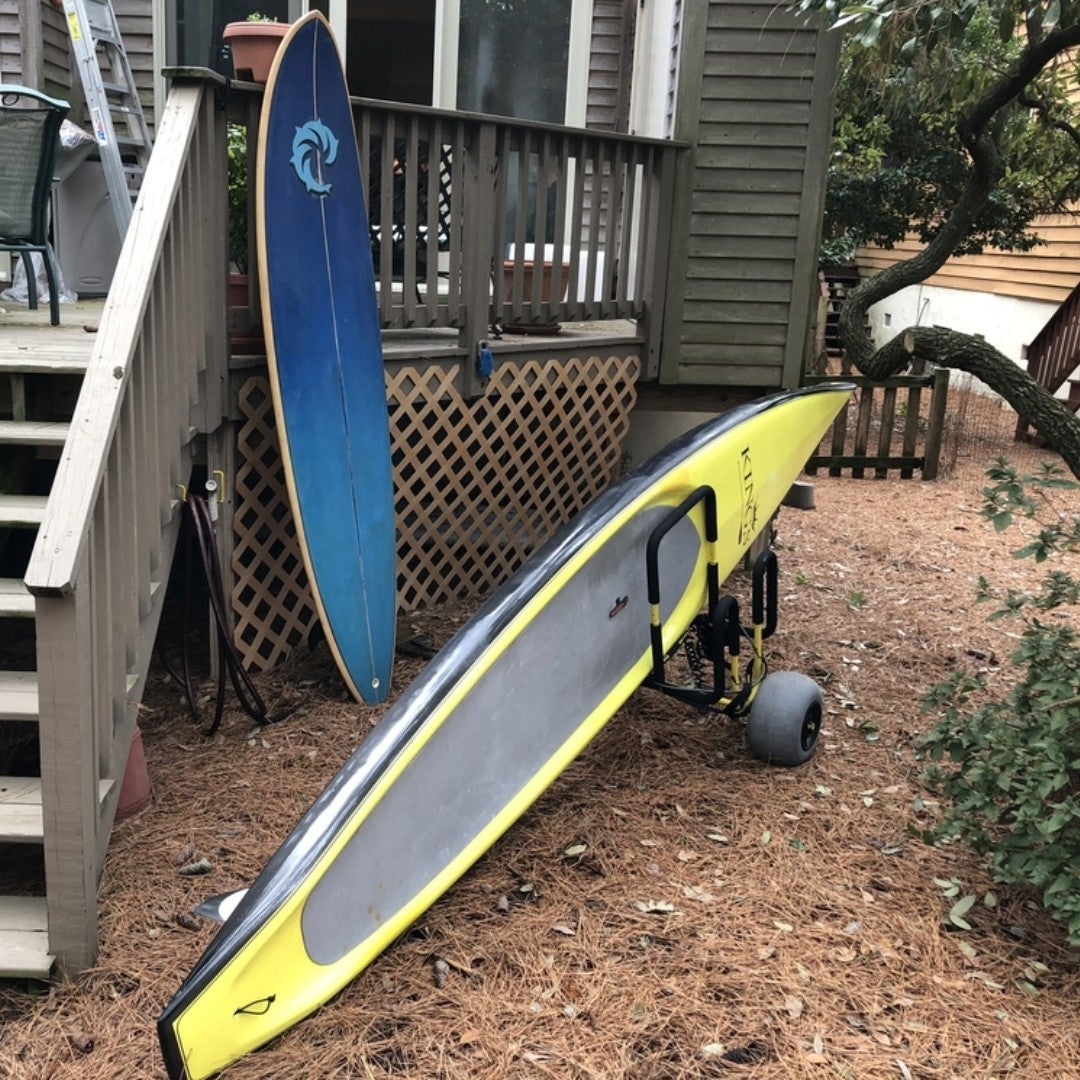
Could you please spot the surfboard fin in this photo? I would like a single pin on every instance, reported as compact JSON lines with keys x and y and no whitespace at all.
{"x":220,"y":907}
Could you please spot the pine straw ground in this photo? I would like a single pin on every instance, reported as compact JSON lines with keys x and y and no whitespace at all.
{"x":800,"y":931}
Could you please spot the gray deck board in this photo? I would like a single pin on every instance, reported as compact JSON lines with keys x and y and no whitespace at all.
{"x":15,"y":601}
{"x":24,"y":939}
{"x":21,"y":818}
{"x":33,"y":433}
{"x":29,"y":344}
{"x":18,"y":695}
{"x":22,"y":511}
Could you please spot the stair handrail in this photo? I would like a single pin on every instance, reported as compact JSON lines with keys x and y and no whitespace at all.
{"x":157,"y":379}
{"x":1054,"y":352}
{"x":52,"y":569}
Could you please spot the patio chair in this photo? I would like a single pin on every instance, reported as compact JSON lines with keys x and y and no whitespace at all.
{"x":29,"y":137}
{"x":400,"y":196}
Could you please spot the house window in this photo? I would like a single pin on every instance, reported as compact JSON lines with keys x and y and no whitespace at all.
{"x":513,"y":58}
{"x":391,"y":49}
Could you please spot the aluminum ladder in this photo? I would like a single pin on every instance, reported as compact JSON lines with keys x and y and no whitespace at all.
{"x":113,"y":101}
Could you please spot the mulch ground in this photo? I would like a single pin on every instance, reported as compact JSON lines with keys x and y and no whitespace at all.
{"x":670,"y":908}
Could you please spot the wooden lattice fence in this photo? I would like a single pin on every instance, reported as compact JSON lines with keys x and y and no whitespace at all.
{"x":478,"y":485}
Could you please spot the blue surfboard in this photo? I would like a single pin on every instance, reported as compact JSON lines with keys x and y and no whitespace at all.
{"x":324,"y":352}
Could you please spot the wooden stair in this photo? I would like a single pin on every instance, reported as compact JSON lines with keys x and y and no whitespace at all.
{"x":34,"y":383}
{"x":61,"y":773}
{"x":15,"y":601}
{"x":99,"y":422}
{"x":24,"y":939}
{"x":1053,"y":358}
{"x":31,"y":433}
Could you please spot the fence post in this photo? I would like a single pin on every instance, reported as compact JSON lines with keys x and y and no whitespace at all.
{"x":478,"y":238}
{"x":661,"y":195}
{"x":938,"y":397}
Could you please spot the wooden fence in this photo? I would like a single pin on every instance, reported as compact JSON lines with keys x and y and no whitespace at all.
{"x":904,"y":413}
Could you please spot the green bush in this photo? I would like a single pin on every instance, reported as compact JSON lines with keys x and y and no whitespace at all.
{"x":238,"y":196}
{"x":1009,"y":765}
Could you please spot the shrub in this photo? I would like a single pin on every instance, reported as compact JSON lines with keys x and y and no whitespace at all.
{"x":1009,"y":766}
{"x":238,"y":196}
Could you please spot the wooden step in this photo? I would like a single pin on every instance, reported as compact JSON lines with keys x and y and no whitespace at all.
{"x":15,"y":601}
{"x":24,"y":938}
{"x":21,"y":820}
{"x":33,"y":433}
{"x":18,"y":695}
{"x":43,"y":364}
{"x":22,"y":511}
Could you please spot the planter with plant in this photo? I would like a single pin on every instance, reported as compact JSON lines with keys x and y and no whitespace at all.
{"x":254,"y":44}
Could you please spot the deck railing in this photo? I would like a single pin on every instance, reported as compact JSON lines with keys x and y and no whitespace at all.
{"x":156,"y":379}
{"x":1055,"y":352}
{"x":478,"y":222}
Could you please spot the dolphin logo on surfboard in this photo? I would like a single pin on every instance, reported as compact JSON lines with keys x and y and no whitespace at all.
{"x":314,"y":147}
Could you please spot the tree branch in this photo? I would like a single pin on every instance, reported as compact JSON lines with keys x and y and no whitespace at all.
{"x":963,"y":352}
{"x":978,"y":134}
{"x":1043,"y":108}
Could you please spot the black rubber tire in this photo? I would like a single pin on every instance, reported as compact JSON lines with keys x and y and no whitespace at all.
{"x":785,"y":719}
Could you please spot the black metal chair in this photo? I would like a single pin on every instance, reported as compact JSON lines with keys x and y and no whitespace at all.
{"x":400,"y":196}
{"x":29,"y":138}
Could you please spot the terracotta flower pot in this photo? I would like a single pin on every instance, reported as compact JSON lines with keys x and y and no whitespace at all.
{"x":135,"y":789}
{"x":545,"y":293}
{"x":254,"y":46}
{"x":245,"y":335}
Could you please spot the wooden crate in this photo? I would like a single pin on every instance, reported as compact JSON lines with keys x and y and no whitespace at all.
{"x":478,"y":485}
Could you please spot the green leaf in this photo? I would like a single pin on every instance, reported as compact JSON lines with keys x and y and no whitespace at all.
{"x":961,"y":907}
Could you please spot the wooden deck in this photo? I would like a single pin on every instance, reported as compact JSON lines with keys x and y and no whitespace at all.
{"x":29,"y":345}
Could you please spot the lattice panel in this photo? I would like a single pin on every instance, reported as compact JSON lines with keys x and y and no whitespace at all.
{"x":478,"y":485}
{"x":270,"y":597}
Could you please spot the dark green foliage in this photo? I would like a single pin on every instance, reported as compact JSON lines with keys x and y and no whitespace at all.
{"x":898,"y":165}
{"x":1009,"y":765}
{"x":238,"y":197}
{"x":958,"y":122}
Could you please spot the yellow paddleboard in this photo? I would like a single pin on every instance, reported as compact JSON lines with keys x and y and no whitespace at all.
{"x":493,"y":719}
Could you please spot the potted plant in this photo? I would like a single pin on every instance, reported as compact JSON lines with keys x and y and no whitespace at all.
{"x":529,"y":266}
{"x":254,"y":43}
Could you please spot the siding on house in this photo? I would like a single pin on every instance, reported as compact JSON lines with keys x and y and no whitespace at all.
{"x":35,"y":50}
{"x":11,"y":58}
{"x":748,"y":208}
{"x":33,"y":46}
{"x":55,"y":52}
{"x":610,"y":64}
{"x":1048,"y":272}
{"x":136,"y":20}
